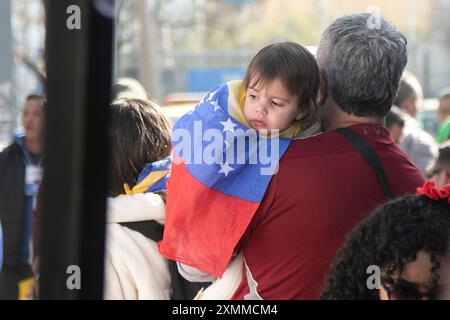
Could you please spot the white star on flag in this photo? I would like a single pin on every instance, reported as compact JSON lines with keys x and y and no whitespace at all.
{"x":228,"y":125}
{"x":212,"y":94}
{"x":225,"y":169}
{"x":215,"y":104}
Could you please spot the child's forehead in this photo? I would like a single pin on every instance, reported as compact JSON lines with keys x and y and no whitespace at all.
{"x":259,"y":82}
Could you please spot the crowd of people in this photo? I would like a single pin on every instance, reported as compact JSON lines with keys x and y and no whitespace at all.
{"x":357,"y":187}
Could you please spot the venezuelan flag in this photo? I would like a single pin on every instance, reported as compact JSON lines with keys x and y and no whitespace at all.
{"x":211,"y":203}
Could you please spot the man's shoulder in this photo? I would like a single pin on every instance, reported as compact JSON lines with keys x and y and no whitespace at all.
{"x":322,"y":144}
{"x":11,"y":149}
{"x":331,"y":145}
{"x":9,"y":156}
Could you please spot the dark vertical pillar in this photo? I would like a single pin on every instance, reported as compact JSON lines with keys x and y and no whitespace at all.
{"x":79,"y":68}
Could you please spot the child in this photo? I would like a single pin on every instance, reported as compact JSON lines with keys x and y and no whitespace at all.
{"x":408,"y":241}
{"x":140,"y":165}
{"x":213,"y":193}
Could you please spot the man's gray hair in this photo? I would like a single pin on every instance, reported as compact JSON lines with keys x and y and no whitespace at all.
{"x":362,"y":65}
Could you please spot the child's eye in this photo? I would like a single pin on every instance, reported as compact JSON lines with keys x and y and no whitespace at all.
{"x":276,"y":104}
{"x":252,"y":96}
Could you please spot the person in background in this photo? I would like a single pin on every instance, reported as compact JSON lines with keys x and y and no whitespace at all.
{"x":128,"y":88}
{"x":418,"y":145}
{"x":410,"y":94}
{"x":400,"y":252}
{"x":140,"y":165}
{"x":20,"y":176}
{"x":395,"y":123}
{"x":440,"y":173}
{"x":444,"y":116}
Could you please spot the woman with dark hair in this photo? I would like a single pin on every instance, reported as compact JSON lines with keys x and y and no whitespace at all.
{"x":407,"y":241}
{"x":139,"y":168}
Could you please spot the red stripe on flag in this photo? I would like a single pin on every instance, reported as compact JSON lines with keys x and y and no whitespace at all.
{"x":203,"y":226}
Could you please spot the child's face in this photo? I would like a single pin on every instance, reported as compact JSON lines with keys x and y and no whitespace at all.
{"x":419,"y":275}
{"x":441,"y":174}
{"x":33,"y":119}
{"x":270,"y":106}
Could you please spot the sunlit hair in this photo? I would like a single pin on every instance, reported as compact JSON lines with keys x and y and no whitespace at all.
{"x":362,"y":66}
{"x":139,"y":134}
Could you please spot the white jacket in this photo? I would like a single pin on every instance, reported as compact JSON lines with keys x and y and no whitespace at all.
{"x":134,"y":269}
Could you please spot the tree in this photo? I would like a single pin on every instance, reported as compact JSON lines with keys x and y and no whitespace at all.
{"x":29,"y":38}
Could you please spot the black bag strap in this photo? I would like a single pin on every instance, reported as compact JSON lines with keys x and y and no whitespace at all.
{"x":149,"y":229}
{"x":181,"y":288}
{"x":361,"y":145}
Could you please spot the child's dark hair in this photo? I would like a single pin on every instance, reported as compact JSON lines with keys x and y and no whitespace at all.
{"x":297,"y":69}
{"x":139,"y":134}
{"x":389,"y":238}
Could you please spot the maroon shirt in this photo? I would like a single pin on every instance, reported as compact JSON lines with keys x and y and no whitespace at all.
{"x":323,"y":189}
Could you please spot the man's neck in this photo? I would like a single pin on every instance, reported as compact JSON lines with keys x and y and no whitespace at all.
{"x":34,"y":146}
{"x":342,"y":119}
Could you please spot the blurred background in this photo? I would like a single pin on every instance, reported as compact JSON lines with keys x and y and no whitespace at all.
{"x":180,"y":48}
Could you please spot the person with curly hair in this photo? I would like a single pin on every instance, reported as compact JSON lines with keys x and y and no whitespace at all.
{"x":408,"y":241}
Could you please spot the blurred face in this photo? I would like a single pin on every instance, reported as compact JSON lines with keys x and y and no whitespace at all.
{"x":443,"y":110}
{"x":409,"y":105}
{"x":416,"y":282}
{"x":396,"y":131}
{"x":33,"y":120}
{"x":441,"y":174}
{"x":270,"y":106}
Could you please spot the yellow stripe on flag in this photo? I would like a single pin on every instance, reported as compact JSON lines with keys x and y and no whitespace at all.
{"x":150,"y":180}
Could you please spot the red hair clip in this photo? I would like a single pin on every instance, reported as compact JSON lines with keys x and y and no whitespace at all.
{"x":431,"y":191}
